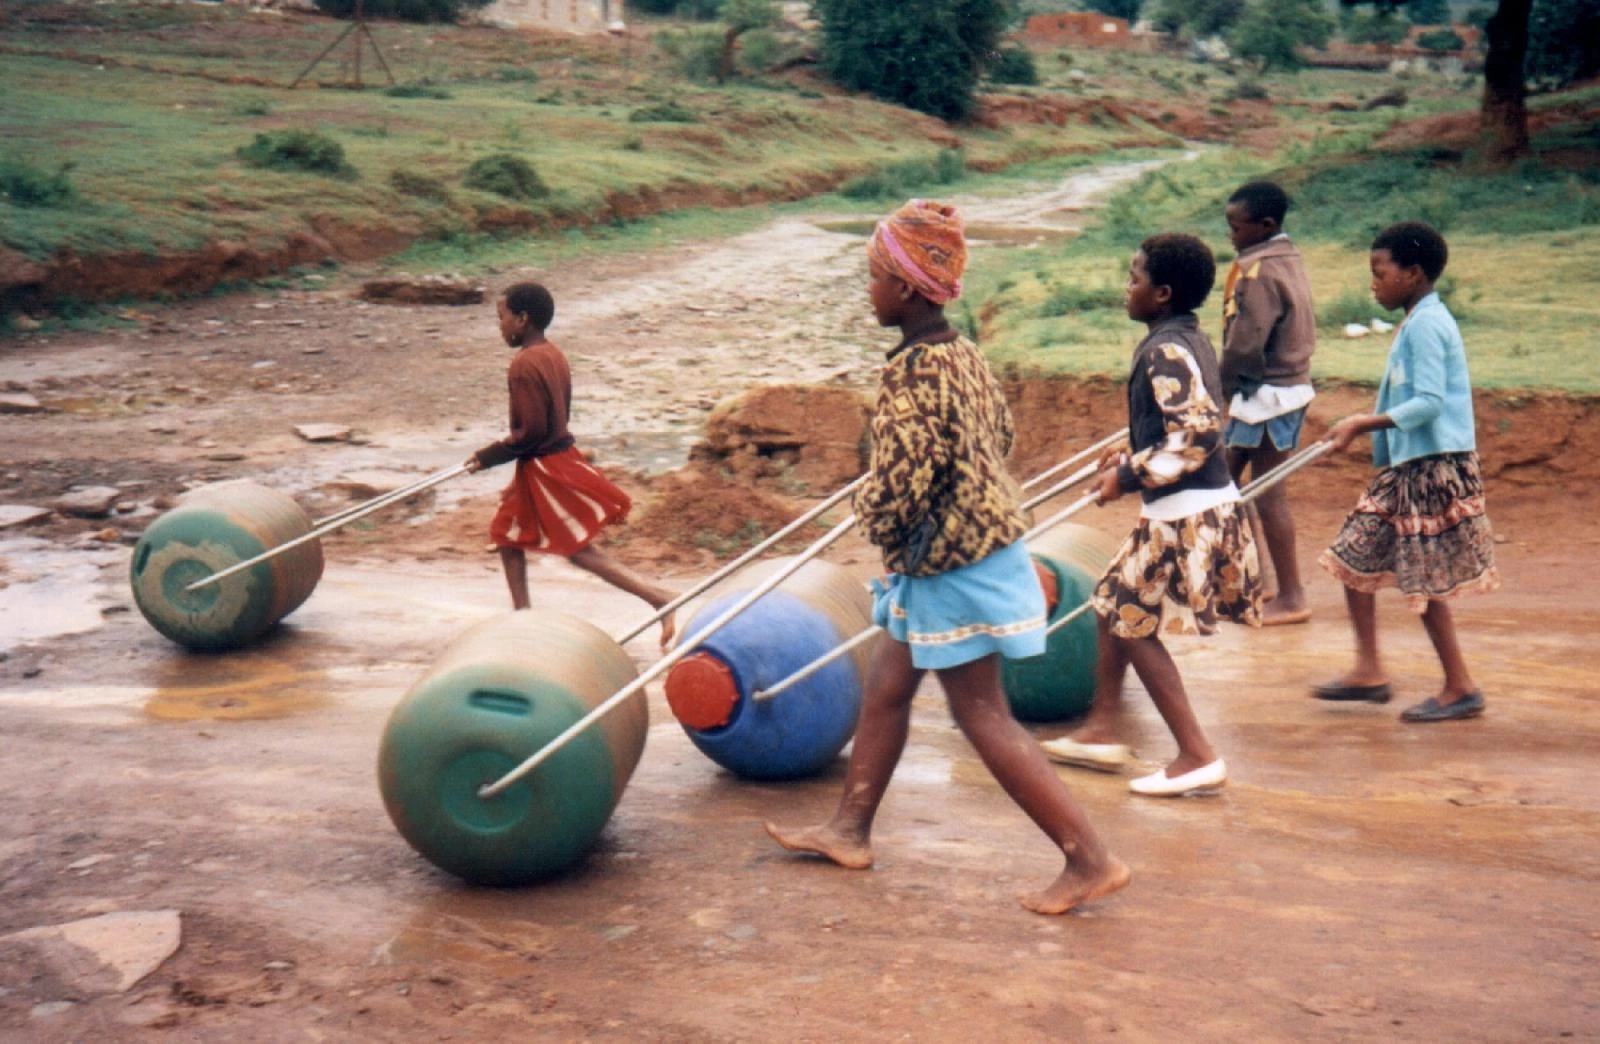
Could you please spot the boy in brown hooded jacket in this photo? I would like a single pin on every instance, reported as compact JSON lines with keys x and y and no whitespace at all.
{"x":1269,"y":331}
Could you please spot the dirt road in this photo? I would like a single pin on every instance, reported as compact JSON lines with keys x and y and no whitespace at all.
{"x":1358,"y":879}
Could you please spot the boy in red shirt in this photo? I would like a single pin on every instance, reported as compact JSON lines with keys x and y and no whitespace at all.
{"x":557,"y":502}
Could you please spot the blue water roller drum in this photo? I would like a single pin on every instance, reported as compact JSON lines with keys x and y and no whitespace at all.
{"x":1070,"y":559}
{"x":498,"y":694}
{"x":214,"y":527}
{"x":801,"y":730}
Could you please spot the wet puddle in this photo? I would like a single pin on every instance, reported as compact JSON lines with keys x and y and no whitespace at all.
{"x":47,"y":590}
{"x":268,"y":691}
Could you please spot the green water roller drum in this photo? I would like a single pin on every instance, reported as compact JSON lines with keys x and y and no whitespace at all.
{"x":499,"y":693}
{"x":1060,"y":684}
{"x":214,"y":527}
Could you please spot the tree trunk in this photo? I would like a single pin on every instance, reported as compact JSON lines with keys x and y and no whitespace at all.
{"x":1503,"y":119}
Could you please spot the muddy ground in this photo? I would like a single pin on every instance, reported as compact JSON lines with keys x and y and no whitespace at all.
{"x":1358,"y":879}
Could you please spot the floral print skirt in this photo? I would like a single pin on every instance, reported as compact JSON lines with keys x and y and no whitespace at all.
{"x":1420,"y":527}
{"x":1180,"y":577}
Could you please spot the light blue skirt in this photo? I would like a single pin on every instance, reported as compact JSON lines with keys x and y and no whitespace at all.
{"x":994,"y":605}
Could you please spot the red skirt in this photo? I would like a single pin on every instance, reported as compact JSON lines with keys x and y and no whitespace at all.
{"x":556,"y":504}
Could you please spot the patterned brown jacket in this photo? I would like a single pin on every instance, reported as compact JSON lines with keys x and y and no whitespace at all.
{"x":937,"y":495}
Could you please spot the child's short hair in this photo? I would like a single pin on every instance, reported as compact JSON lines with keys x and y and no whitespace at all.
{"x":1263,"y":199}
{"x":1415,"y":243}
{"x":1183,"y":263}
{"x":533,"y":301}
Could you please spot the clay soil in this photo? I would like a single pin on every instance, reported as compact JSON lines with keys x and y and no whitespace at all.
{"x":1359,"y":879}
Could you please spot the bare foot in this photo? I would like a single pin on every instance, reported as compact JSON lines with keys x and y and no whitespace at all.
{"x":1073,"y":888}
{"x":669,"y":630}
{"x":826,"y":842}
{"x":1279,"y":612}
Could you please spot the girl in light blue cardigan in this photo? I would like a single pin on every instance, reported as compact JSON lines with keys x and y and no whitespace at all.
{"x":1420,"y":525}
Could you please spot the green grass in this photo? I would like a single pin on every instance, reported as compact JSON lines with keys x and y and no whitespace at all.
{"x":1523,"y":279}
{"x":194,"y":86}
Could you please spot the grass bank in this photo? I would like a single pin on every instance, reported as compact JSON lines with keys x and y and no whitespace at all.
{"x":1523,"y":279}
{"x":150,"y":130}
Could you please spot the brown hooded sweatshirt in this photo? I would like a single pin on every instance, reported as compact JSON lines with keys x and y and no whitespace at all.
{"x":1268,"y":327}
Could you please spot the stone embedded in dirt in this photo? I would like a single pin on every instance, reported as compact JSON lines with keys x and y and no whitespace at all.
{"x":20,"y":402}
{"x":323,"y":432}
{"x":812,"y":435}
{"x":88,"y":501}
{"x":97,"y":955}
{"x":427,"y":290}
{"x":12,"y":515}
{"x":364,"y":485}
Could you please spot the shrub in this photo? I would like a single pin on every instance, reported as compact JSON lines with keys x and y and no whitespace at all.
{"x":664,"y":112}
{"x":1248,"y":88}
{"x":300,"y":150}
{"x":505,"y":175}
{"x":1441,"y":40}
{"x":1353,"y":306}
{"x":1067,"y":299}
{"x":925,"y":56}
{"x":760,"y":50}
{"x":516,"y":74}
{"x":417,"y":90}
{"x":898,"y":180}
{"x":421,"y":186}
{"x":27,"y":186}
{"x":1013,"y":65}
{"x":696,"y":52}
{"x":403,"y":10}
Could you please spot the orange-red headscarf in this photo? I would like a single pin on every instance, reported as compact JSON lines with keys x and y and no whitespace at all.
{"x":922,"y":243}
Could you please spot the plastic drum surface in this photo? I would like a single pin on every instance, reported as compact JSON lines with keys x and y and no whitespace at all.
{"x":212,"y":528}
{"x":1060,"y":683}
{"x":799,"y":731}
{"x":500,"y":693}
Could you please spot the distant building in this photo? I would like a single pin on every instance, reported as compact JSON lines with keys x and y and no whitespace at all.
{"x":573,"y":16}
{"x":1083,"y":28}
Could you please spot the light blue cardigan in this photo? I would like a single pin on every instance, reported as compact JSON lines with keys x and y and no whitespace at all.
{"x":1425,"y":389}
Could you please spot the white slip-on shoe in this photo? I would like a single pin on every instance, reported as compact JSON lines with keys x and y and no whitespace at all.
{"x":1105,"y":757}
{"x":1158,"y":784}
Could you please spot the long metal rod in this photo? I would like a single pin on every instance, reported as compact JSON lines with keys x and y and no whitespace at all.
{"x":718,"y":576}
{"x":656,"y":669}
{"x":1054,"y":469}
{"x":1087,"y":471}
{"x":400,"y":493}
{"x":841,"y":650}
{"x":320,"y":531}
{"x":1251,"y":491}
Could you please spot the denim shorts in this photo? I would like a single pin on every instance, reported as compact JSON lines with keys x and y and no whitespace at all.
{"x":1283,"y":430}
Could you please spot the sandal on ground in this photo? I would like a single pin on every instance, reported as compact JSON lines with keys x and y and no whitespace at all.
{"x":1299,"y":616}
{"x":1104,"y":757}
{"x":1380,"y":693}
{"x":1469,"y":706}
{"x":1158,"y":784}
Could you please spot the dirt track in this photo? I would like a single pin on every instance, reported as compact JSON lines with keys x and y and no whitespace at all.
{"x":1358,"y":879}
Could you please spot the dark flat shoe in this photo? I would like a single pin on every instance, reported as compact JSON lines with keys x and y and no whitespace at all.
{"x":1430,"y":709}
{"x":1380,"y":693}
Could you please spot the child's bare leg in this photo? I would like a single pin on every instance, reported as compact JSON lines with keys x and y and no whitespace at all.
{"x":978,"y":703}
{"x":515,"y":565}
{"x":1276,"y":525}
{"x":1239,"y":458}
{"x":1103,"y":723}
{"x":1368,"y":669}
{"x":1154,"y":666}
{"x":591,"y":559}
{"x":1442,"y":632}
{"x":881,"y":731}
